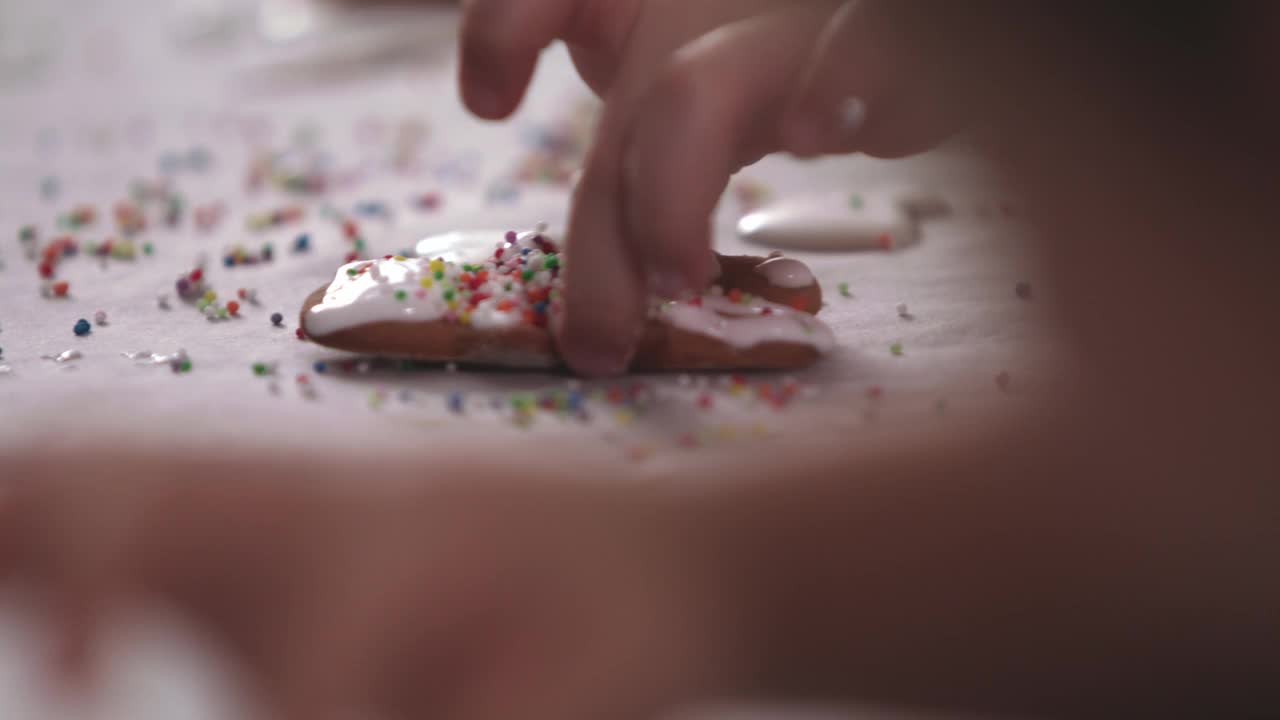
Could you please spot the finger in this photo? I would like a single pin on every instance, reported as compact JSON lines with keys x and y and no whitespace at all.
{"x":68,"y":544}
{"x":598,"y":321}
{"x":501,"y":39}
{"x":709,"y":109}
{"x":23,"y":468}
{"x":321,"y":657}
{"x":79,"y":610}
{"x":9,"y":519}
{"x":865,"y":90}
{"x":604,"y":300}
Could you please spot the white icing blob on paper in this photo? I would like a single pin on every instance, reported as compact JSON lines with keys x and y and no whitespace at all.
{"x":835,"y":221}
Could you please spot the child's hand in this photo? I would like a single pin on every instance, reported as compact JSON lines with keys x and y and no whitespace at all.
{"x":694,"y":90}
{"x":488,"y":601}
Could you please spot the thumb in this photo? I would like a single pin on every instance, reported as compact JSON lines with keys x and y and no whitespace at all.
{"x":866,"y":90}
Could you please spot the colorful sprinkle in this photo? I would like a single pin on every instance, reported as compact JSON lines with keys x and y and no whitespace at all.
{"x":82,"y":328}
{"x":373,"y":209}
{"x":896,"y":349}
{"x":277,"y":319}
{"x":428,"y":201}
{"x":750,"y":193}
{"x":49,"y":187}
{"x":843,"y":288}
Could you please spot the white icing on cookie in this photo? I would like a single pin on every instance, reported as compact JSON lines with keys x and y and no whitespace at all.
{"x":490,"y":293}
{"x":833,"y":221}
{"x":785,"y":272}
{"x":743,"y":325}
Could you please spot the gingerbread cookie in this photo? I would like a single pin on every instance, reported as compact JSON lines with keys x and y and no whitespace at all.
{"x":485,"y":298}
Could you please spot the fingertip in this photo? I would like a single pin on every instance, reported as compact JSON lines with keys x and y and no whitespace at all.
{"x":593,"y":361}
{"x":484,"y":101}
{"x":863,"y":92}
{"x":801,"y":135}
{"x":497,"y":57}
{"x":76,"y":615}
{"x":494,"y":93}
{"x":818,"y":125}
{"x":594,"y":340}
{"x":73,"y":653}
{"x":594,"y":350}
{"x":828,"y":108}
